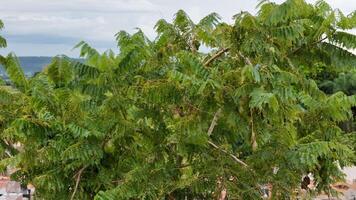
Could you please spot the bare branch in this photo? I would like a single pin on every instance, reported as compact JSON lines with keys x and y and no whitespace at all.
{"x":253,"y":133}
{"x":78,"y":175}
{"x":231,"y":155}
{"x":215,"y":56}
{"x":210,"y":131}
{"x":247,"y":60}
{"x":214,"y":122}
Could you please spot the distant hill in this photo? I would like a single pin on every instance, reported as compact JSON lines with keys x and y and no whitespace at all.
{"x":32,"y":64}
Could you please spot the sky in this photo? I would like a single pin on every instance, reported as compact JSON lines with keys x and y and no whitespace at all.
{"x":53,"y":27}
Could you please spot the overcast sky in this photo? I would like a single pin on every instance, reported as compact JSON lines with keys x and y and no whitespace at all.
{"x":52,"y":27}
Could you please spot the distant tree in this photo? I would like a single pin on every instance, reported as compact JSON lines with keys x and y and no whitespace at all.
{"x":345,"y":82}
{"x":164,"y":120}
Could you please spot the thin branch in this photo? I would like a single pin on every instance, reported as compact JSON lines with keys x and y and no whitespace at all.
{"x":253,"y":133}
{"x":231,"y":155}
{"x":290,"y":63}
{"x":171,"y":197}
{"x":247,"y":60}
{"x":8,"y":153}
{"x":215,"y":56}
{"x":210,"y":131}
{"x":316,"y":42}
{"x":192,"y":46}
{"x":214,"y":122}
{"x":78,"y":175}
{"x":10,"y":149}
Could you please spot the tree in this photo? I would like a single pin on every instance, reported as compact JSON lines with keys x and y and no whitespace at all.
{"x":2,"y":40}
{"x":344,"y":82}
{"x":164,"y":120}
{"x":10,"y":99}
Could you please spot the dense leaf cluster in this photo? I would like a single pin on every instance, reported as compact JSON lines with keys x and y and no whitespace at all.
{"x":203,"y":108}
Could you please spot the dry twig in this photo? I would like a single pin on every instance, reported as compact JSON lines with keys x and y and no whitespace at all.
{"x":78,"y":175}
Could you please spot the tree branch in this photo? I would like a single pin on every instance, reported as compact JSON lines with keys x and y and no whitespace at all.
{"x":215,"y":56}
{"x":78,"y":175}
{"x":214,"y":122}
{"x":210,"y":131}
{"x":316,"y":42}
{"x":247,"y":60}
{"x":9,"y":148}
{"x":253,"y":133}
{"x":231,"y":155}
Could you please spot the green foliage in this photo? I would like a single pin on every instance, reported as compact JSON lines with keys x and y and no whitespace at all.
{"x":164,"y":120}
{"x":13,"y":69}
{"x":2,"y":40}
{"x":345,"y":82}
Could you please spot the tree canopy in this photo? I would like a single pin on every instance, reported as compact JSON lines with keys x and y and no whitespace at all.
{"x":2,"y":40}
{"x":204,"y":107}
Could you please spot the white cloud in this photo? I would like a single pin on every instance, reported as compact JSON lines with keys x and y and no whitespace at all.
{"x":77,"y":5}
{"x":97,"y":21}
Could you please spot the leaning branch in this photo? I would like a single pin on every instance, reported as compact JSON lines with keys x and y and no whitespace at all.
{"x":210,"y":131}
{"x":316,"y":42}
{"x":78,"y":175}
{"x":253,"y":133}
{"x":214,"y":122}
{"x":215,"y":56}
{"x":247,"y":60}
{"x":231,"y":155}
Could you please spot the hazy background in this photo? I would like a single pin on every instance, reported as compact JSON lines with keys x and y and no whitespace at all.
{"x":52,"y":27}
